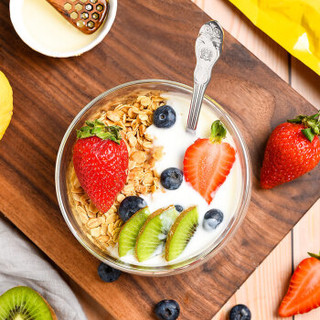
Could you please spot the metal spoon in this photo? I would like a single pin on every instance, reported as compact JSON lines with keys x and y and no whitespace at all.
{"x":208,"y":51}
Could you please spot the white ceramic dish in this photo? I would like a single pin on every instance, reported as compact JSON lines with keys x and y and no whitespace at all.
{"x":17,"y":18}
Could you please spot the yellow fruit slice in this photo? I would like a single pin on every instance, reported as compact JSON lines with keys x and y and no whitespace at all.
{"x":6,"y":103}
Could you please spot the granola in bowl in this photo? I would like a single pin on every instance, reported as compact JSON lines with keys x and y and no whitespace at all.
{"x":134,"y":115}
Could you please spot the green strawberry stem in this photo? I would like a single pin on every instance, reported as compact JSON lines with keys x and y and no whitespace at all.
{"x":218,"y":131}
{"x":312,"y":124}
{"x":317,"y":256}
{"x":99,"y":129}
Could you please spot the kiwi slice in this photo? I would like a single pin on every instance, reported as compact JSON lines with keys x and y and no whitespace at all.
{"x":154,"y":232}
{"x":181,"y":232}
{"x":23,"y":303}
{"x":130,"y":230}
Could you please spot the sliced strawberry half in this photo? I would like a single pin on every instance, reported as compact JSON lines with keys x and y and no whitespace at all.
{"x":207,"y":162}
{"x":304,"y":290}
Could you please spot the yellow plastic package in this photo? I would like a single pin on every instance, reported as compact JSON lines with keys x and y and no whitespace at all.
{"x":294,"y":24}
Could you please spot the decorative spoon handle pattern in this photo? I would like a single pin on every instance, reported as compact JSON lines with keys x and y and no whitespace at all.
{"x":208,"y":51}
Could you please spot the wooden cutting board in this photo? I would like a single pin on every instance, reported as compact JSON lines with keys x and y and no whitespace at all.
{"x":143,"y":43}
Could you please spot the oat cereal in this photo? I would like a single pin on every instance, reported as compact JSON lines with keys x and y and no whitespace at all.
{"x":134,"y":115}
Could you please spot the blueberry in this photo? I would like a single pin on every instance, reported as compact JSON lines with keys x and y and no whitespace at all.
{"x":129,"y":206}
{"x":240,"y":312}
{"x":171,"y":178}
{"x":212,"y":219}
{"x":178,"y":207}
{"x":167,"y":310}
{"x":107,"y":273}
{"x":164,"y":117}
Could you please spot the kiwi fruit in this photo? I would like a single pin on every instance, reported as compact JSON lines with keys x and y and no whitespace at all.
{"x":23,"y":303}
{"x":154,"y":232}
{"x":130,"y":230}
{"x":181,"y":232}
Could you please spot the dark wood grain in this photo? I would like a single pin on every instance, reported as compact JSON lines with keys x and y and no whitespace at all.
{"x":143,"y":44}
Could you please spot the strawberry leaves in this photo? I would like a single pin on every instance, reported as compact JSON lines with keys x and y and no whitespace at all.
{"x":99,"y":129}
{"x":218,"y":131}
{"x":308,"y":134}
{"x":313,"y":255}
{"x":312,"y":124}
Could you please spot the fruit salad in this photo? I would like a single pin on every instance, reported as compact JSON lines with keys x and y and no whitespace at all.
{"x":145,"y":190}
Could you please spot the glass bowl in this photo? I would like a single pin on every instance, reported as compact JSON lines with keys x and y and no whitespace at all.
{"x":65,"y":155}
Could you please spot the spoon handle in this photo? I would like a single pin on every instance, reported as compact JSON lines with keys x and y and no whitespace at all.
{"x":193,"y":117}
{"x":208,"y":50}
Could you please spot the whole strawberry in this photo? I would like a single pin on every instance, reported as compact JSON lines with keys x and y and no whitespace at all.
{"x":100,"y":159}
{"x":293,"y":149}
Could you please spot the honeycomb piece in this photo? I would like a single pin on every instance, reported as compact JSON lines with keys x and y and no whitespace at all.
{"x":90,"y":24}
{"x":99,"y":7}
{"x":80,"y":23}
{"x":74,"y":15}
{"x":78,"y":6}
{"x":67,"y":6}
{"x":89,"y":7}
{"x":95,"y":16}
{"x":84,"y":15}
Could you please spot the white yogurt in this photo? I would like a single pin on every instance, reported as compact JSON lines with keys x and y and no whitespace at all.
{"x":175,"y":141}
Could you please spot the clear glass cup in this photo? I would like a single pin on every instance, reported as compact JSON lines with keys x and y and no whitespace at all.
{"x":65,"y":155}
